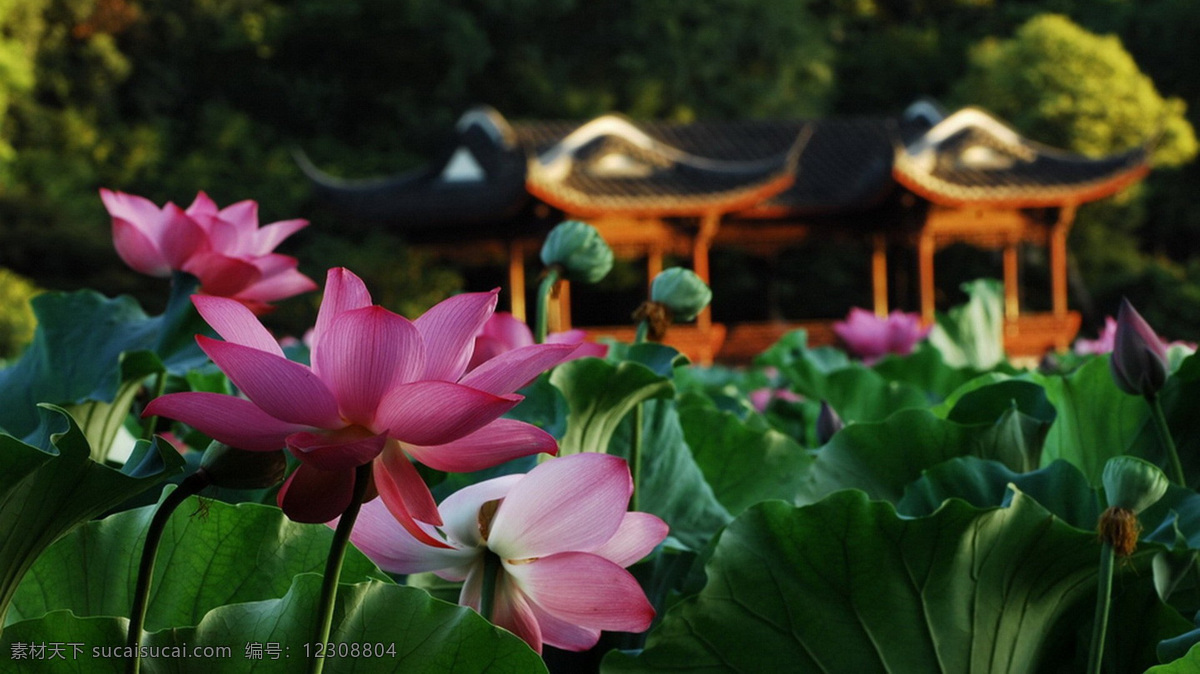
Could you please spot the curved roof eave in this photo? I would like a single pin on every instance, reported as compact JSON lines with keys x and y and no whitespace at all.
{"x":581,"y":204}
{"x":946,"y":193}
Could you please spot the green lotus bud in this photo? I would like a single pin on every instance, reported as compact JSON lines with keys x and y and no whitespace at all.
{"x":233,"y":468}
{"x":579,"y":249}
{"x":681,"y":291}
{"x":1133,"y":483}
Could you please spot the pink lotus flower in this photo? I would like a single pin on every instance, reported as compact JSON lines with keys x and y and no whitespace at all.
{"x":224,"y":248}
{"x":503,"y":332}
{"x":380,"y":389}
{"x":870,"y":337}
{"x":563,"y":537}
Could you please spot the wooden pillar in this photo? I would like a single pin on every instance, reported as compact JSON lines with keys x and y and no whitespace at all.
{"x":708,"y":229}
{"x":1058,"y":259}
{"x":925,"y":249}
{"x":654,"y":264}
{"x":879,"y":275}
{"x":1012,"y":308}
{"x":516,"y":279}
{"x":561,"y":303}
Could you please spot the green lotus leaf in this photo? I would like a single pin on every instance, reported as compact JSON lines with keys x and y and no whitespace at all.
{"x":211,"y":554}
{"x":926,"y":369}
{"x":599,"y":394}
{"x":75,"y":356}
{"x":847,"y":585}
{"x":49,"y":485}
{"x":1059,"y":488}
{"x":672,"y":485}
{"x":1095,"y":420}
{"x":744,"y":465}
{"x":881,"y":458}
{"x":971,"y":335}
{"x":987,"y":403}
{"x":408,"y":631}
{"x":858,"y":393}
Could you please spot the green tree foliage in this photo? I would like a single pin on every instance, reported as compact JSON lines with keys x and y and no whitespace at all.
{"x":1067,"y":87}
{"x":163,"y":98}
{"x":17,"y":321}
{"x":1070,"y":88}
{"x":16,"y":58}
{"x":888,"y":53}
{"x":723,"y":59}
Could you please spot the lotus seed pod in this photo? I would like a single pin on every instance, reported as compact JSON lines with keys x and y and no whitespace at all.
{"x":681,"y":291}
{"x":1139,"y":357}
{"x":1119,"y":528}
{"x":1132,"y":483}
{"x":240,"y":469}
{"x":579,"y":249}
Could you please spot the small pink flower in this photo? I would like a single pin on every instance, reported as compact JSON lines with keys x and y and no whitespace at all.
{"x":563,"y":537}
{"x":1103,"y":342}
{"x":381,"y":389}
{"x":225,"y":248}
{"x":870,"y":337}
{"x":503,"y":332}
{"x":761,"y":398}
{"x":1107,"y":338}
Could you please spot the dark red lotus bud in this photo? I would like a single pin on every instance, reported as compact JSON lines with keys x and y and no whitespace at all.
{"x":1139,"y":357}
{"x":233,"y":468}
{"x":828,"y":423}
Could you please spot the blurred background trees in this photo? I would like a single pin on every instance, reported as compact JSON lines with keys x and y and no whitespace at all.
{"x":164,"y":98}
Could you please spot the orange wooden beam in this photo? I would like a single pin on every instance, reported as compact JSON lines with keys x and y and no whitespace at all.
{"x":704,"y":238}
{"x":925,"y":250}
{"x":516,"y":280}
{"x":654,"y":264}
{"x":879,"y":275}
{"x":1058,"y":259}
{"x":1012,"y":307}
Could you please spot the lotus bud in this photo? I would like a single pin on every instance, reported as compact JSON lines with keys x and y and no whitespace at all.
{"x":579,"y":250}
{"x":682,"y":292}
{"x":1131,"y":485}
{"x":233,"y":468}
{"x":828,"y":423}
{"x":1139,"y":357}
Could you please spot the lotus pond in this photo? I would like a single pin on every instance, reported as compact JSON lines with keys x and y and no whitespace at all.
{"x":462,"y":493}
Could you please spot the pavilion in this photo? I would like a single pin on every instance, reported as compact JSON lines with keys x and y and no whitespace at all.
{"x":913,"y":183}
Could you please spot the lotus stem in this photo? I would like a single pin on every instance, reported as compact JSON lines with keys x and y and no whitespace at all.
{"x":179,"y":307}
{"x":643,"y":327}
{"x":635,"y":445}
{"x":160,"y":384}
{"x":333,"y":564}
{"x":635,"y":455}
{"x":543,"y":304}
{"x":1164,"y":437}
{"x":487,"y":595}
{"x":141,"y":593}
{"x":1103,"y":602}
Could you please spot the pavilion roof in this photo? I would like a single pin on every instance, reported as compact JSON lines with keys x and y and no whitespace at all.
{"x":612,"y":165}
{"x":970,"y":158}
